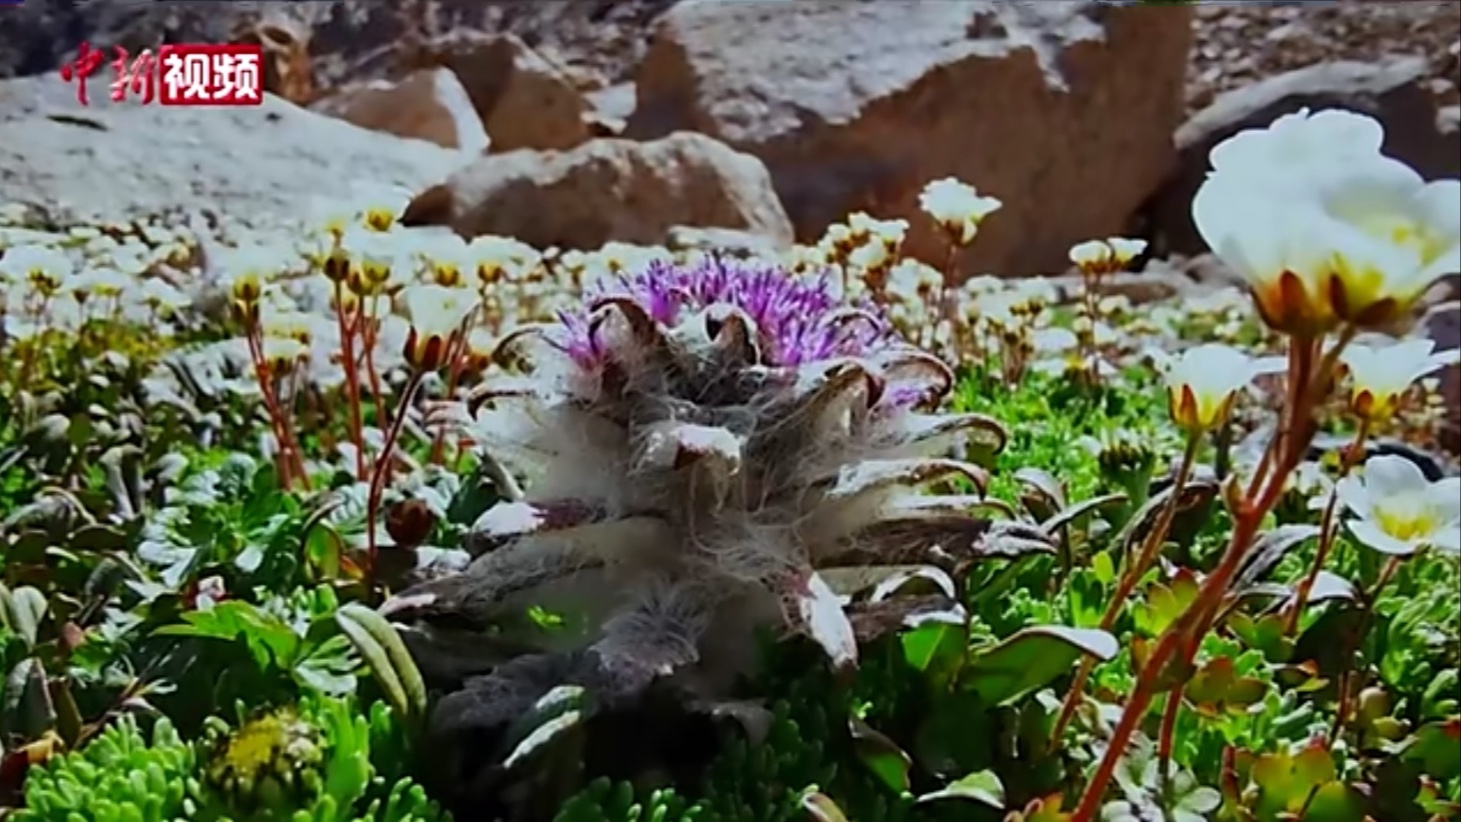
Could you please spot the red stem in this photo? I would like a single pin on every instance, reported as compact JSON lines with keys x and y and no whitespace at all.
{"x":382,"y":466}
{"x":1305,"y":381}
{"x":284,"y":465}
{"x":1327,"y":528}
{"x":348,"y":328}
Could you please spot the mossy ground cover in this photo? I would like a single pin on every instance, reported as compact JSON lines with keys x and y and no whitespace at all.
{"x":202,"y":545}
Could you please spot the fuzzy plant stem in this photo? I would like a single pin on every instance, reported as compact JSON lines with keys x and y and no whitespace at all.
{"x":1134,"y":571}
{"x":1307,"y":378}
{"x":382,"y":466}
{"x":348,"y":327}
{"x":1328,"y":530}
{"x":1346,"y":696}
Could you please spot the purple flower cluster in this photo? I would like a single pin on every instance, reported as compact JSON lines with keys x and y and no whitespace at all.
{"x":800,"y":319}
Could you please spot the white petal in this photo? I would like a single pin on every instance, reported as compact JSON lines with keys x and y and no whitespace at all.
{"x":1369,"y":535}
{"x":1448,"y":539}
{"x":1388,"y":475}
{"x":1445,"y":498}
{"x":1438,"y":205}
{"x":1355,"y":496}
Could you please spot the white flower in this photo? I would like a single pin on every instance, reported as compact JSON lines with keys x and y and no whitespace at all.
{"x":1322,"y":226}
{"x":1203,"y":382}
{"x":1379,"y":376}
{"x":437,"y":314}
{"x":45,"y":268}
{"x":1300,"y":140}
{"x":1097,"y":257}
{"x":957,"y":207}
{"x":1393,"y":234}
{"x":161,"y":295}
{"x":498,"y":258}
{"x":282,"y":353}
{"x":378,"y":258}
{"x":1399,"y":511}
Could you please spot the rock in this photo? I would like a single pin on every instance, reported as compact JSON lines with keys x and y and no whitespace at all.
{"x":525,"y":100}
{"x":720,"y":240}
{"x":286,"y":42}
{"x":116,"y":161}
{"x":1443,"y":324}
{"x":1063,"y":110}
{"x":607,"y":190}
{"x":429,"y":104}
{"x":1393,"y":92}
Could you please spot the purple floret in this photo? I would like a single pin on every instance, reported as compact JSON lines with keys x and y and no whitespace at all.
{"x":800,"y":318}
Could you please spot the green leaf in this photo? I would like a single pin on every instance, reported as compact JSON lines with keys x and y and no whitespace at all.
{"x":377,"y":641}
{"x":1031,"y":659}
{"x":24,"y":610}
{"x":1335,"y":801}
{"x":937,"y":648}
{"x":1436,"y":747}
{"x":881,"y":755}
{"x":983,"y":787}
{"x":328,"y":667}
{"x":269,"y":639}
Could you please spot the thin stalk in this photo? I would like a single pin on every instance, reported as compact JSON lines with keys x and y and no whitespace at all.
{"x":348,"y":328}
{"x":1346,"y":697}
{"x":1328,"y":529}
{"x":284,"y":467}
{"x":457,"y":360}
{"x":377,"y":394}
{"x":382,"y":464}
{"x":1135,"y":568}
{"x":1167,"y":733}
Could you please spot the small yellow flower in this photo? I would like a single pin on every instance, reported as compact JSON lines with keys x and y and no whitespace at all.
{"x":437,"y":316}
{"x":1203,"y":382}
{"x":1380,"y":376}
{"x":957,"y":207}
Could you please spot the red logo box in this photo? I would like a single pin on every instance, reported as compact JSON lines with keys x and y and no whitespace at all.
{"x":210,"y":75}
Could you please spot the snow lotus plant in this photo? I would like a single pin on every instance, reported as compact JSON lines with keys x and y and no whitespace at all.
{"x":709,"y":448}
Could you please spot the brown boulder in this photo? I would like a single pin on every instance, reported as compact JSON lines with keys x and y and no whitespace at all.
{"x":607,"y":190}
{"x":1063,"y":110}
{"x":429,"y":104}
{"x":526,"y":100}
{"x":1393,"y":92}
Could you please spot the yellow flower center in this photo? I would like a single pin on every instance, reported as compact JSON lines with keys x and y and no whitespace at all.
{"x":1406,"y":521}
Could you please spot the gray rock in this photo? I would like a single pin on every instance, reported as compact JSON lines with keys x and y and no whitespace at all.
{"x":262,"y":165}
